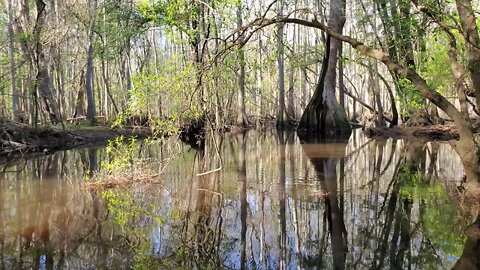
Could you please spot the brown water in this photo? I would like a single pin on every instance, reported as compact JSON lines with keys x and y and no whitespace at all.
{"x":275,"y":204}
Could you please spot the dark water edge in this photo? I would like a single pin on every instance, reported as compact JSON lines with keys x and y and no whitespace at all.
{"x":276,"y":204}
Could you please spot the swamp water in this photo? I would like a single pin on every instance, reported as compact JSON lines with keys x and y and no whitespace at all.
{"x":276,"y":203}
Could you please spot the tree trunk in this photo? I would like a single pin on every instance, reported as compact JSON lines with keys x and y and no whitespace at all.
{"x":281,"y":71}
{"x":89,"y":83}
{"x":80,"y":100}
{"x":470,"y":258}
{"x":341,"y":84}
{"x":305,"y":94}
{"x":241,"y":114}
{"x":11,"y":52}
{"x":459,"y":82}
{"x":259,"y":76}
{"x":378,"y":101}
{"x":106,"y":81}
{"x":44,"y":84}
{"x":291,"y":96}
{"x":89,"y":76}
{"x":470,"y":32}
{"x":217,"y":25}
{"x":291,"y":81}
{"x":324,"y":114}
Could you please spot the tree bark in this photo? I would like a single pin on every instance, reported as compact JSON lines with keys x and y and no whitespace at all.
{"x":459,"y":81}
{"x":291,"y":81}
{"x":89,"y":76}
{"x":44,"y":84}
{"x":470,"y":258}
{"x":241,"y":114}
{"x":324,"y":114}
{"x":341,"y":84}
{"x":281,"y":70}
{"x":259,"y":76}
{"x":376,"y":92}
{"x":472,"y":38}
{"x":80,"y":100}
{"x":11,"y":52}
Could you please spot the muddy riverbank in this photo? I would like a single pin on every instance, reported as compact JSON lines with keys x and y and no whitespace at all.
{"x":21,"y":139}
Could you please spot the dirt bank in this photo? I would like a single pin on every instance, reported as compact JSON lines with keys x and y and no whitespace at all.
{"x":427,"y":133}
{"x":16,"y":138}
{"x":21,"y":139}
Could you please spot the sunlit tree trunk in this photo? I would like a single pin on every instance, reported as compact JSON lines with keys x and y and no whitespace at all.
{"x":291,"y":78}
{"x":281,"y":70}
{"x":341,"y":84}
{"x":216,"y":79}
{"x":470,"y":33}
{"x":241,"y":114}
{"x":11,"y":54}
{"x":259,"y":86}
{"x":80,"y":99}
{"x":380,"y":120}
{"x":44,"y":83}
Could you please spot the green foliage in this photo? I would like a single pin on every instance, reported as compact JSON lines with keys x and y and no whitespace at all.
{"x":121,"y":24}
{"x":80,"y":124}
{"x":122,"y":154}
{"x":147,"y":88}
{"x":124,"y":208}
{"x":127,"y":211}
{"x":141,"y":94}
{"x":165,"y":97}
{"x":438,"y":213}
{"x":121,"y":118}
{"x":173,"y":85}
{"x":411,"y":100}
{"x":435,"y":67}
{"x":121,"y":206}
{"x":413,"y":185}
{"x":22,"y":37}
{"x":440,"y":221}
{"x":184,"y":15}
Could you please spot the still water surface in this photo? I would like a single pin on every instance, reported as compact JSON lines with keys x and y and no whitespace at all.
{"x":277,"y":203}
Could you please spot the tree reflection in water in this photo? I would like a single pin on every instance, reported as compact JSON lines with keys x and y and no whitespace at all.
{"x":276,"y":204}
{"x":325,"y":155}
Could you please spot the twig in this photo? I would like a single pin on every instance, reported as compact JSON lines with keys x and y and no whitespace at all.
{"x":211,"y":191}
{"x":209,"y":172}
